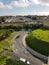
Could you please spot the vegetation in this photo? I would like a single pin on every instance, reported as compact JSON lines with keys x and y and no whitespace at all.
{"x":17,"y":27}
{"x":7,"y":41}
{"x":2,"y":19}
{"x":5,"y":44}
{"x":7,"y":60}
{"x":4,"y":34}
{"x":20,"y":27}
{"x":39,"y":41}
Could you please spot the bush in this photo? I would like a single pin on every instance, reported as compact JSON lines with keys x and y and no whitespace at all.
{"x":4,"y":34}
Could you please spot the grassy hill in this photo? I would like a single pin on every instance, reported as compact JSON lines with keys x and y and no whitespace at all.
{"x":39,"y":41}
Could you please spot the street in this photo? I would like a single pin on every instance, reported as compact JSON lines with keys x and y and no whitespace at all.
{"x":21,"y":51}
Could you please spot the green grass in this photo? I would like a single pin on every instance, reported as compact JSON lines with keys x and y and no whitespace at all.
{"x":8,"y":41}
{"x":39,"y":41}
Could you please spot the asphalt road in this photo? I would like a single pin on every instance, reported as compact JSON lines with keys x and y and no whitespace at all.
{"x":21,"y":51}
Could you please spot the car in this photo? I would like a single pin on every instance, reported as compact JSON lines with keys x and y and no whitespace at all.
{"x":24,"y":60}
{"x":18,"y":36}
{"x":28,"y":62}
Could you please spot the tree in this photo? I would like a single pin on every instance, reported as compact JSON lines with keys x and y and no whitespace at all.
{"x":0,"y":20}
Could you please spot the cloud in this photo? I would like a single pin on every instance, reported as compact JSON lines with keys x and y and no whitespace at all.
{"x":34,"y":2}
{"x":8,"y":7}
{"x":20,"y":3}
{"x":42,"y":13}
{"x":44,"y":2}
{"x":26,"y":3}
{"x":35,"y":13}
{"x":23,"y":3}
{"x":40,"y":2}
{"x":1,"y":5}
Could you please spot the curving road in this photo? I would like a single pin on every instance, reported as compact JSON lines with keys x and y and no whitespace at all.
{"x":21,"y":51}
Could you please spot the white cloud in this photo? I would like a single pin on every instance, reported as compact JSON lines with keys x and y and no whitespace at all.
{"x":40,"y":2}
{"x":8,"y":7}
{"x":44,"y":2}
{"x":42,"y":13}
{"x":20,"y":3}
{"x":34,"y":2}
{"x":1,"y":5}
{"x":33,"y":13}
{"x":23,"y":3}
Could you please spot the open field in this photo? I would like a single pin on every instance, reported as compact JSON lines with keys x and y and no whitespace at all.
{"x":39,"y":41}
{"x":8,"y":41}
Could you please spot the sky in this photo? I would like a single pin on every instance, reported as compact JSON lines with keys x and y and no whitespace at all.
{"x":24,"y":7}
